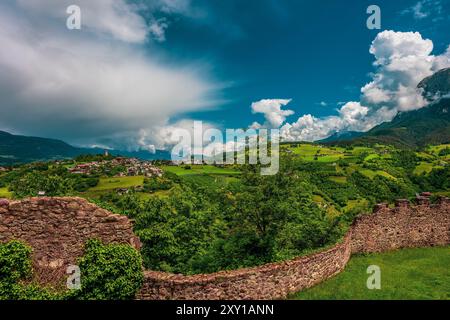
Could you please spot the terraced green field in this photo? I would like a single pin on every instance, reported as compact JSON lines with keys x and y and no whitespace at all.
{"x":423,"y":167}
{"x":352,"y":204}
{"x":371,"y":174}
{"x":436,"y":149}
{"x":338,"y":179}
{"x":418,"y":274}
{"x":371,"y":157}
{"x":118,"y":182}
{"x":199,"y":169}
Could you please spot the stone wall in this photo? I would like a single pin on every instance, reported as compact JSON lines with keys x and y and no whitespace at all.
{"x":404,"y":226}
{"x":270,"y":281}
{"x":386,"y":229}
{"x":57,"y":228}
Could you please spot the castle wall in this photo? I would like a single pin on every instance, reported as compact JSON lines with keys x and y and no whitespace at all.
{"x":270,"y":281}
{"x":57,"y":229}
{"x":386,"y":229}
{"x":404,"y":226}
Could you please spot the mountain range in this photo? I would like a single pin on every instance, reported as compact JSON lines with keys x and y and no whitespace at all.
{"x":22,"y":149}
{"x":428,"y":125}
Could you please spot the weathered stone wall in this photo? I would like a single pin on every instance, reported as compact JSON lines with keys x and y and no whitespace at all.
{"x":57,"y":228}
{"x":401,"y":227}
{"x":271,"y":281}
{"x":404,"y":226}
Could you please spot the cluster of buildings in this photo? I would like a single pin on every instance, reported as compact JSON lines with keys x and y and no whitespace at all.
{"x":132,"y":167}
{"x":86,"y":168}
{"x":186,"y":161}
{"x":136,"y":167}
{"x":3,"y":169}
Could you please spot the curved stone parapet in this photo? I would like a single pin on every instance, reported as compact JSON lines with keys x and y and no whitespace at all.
{"x":57,"y":229}
{"x":386,"y":229}
{"x":270,"y":281}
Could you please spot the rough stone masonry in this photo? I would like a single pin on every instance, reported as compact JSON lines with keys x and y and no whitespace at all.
{"x":57,"y":229}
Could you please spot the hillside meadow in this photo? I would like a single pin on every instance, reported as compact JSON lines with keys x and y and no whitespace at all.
{"x":203,"y":218}
{"x":407,"y":274}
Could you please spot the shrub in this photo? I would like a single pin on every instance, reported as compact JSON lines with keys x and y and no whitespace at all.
{"x":31,"y":292}
{"x":109,"y":272}
{"x":16,"y":267}
{"x":15,"y":262}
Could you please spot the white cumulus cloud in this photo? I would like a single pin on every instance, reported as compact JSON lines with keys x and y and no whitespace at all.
{"x":402,"y":60}
{"x":271,"y":108}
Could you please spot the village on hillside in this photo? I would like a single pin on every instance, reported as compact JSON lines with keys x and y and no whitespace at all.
{"x":131,"y":167}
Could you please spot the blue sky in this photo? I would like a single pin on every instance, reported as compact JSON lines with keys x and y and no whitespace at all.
{"x":137,"y":70}
{"x":307,"y":51}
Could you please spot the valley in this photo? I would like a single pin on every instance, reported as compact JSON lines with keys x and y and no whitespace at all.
{"x":204,"y":218}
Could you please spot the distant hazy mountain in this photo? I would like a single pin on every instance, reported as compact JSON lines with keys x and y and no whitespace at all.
{"x":342,"y":136}
{"x":428,"y":125}
{"x":21,"y":149}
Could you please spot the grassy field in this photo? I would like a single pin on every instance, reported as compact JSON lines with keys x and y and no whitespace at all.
{"x":4,"y":193}
{"x":352,"y":204}
{"x":118,"y":182}
{"x":378,"y":153}
{"x":417,"y":274}
{"x":308,"y":153}
{"x":436,"y":149}
{"x":338,"y":179}
{"x":423,"y":167}
{"x":199,"y":169}
{"x":371,"y":157}
{"x":371,"y":174}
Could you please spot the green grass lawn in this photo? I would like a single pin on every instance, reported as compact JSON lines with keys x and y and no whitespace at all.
{"x":118,"y":182}
{"x":418,"y":274}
